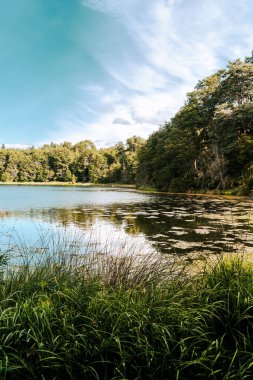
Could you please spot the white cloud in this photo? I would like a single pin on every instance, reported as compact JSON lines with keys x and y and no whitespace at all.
{"x":137,"y":77}
{"x":173,"y":44}
{"x":103,"y":131}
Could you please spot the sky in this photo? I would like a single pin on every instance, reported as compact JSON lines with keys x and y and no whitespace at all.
{"x":106,"y":70}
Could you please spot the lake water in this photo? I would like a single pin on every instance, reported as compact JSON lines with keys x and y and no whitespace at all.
{"x":88,"y":219}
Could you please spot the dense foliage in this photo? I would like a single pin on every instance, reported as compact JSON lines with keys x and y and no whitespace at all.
{"x":58,"y":321}
{"x":209,"y":142}
{"x":81,"y":162}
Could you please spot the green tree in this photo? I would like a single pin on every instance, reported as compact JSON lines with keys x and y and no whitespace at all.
{"x":203,"y":144}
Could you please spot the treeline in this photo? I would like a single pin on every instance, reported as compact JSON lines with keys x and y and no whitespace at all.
{"x":209,"y":142}
{"x":65,"y":162}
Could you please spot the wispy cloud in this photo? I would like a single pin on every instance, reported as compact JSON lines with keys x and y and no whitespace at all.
{"x":171,"y":45}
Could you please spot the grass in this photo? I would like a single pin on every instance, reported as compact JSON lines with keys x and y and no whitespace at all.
{"x":129,"y":317}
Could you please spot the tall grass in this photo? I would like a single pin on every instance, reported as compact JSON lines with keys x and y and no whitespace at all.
{"x":126,"y":317}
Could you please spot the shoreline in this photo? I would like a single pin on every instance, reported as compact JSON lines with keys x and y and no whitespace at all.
{"x":70,"y":184}
{"x":192,"y":194}
{"x":208,"y":193}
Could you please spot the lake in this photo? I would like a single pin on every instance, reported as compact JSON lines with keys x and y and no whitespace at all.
{"x":88,"y":219}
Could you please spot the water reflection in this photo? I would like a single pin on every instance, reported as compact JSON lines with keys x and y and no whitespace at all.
{"x":28,"y":241}
{"x":169,"y":224}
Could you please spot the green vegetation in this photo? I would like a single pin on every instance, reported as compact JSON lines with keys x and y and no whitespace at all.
{"x":207,"y":145}
{"x":126,"y":318}
{"x":209,"y":142}
{"x":81,"y":162}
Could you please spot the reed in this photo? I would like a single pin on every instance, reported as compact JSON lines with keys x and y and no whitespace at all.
{"x":126,"y":317}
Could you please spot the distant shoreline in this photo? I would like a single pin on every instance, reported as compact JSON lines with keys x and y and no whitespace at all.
{"x":55,"y":183}
{"x":209,"y":193}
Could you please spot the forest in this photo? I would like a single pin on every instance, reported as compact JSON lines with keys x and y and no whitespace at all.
{"x":208,"y":144}
{"x":81,"y":162}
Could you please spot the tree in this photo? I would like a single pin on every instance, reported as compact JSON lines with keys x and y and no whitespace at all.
{"x":203,"y":144}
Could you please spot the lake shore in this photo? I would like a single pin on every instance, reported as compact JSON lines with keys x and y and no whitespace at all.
{"x":57,"y":183}
{"x":207,"y":193}
{"x":67,"y":313}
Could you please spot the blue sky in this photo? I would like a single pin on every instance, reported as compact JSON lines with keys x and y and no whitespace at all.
{"x":108,"y":69}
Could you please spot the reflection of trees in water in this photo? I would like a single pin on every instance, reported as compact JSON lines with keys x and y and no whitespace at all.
{"x":173,"y":224}
{"x":80,"y":217}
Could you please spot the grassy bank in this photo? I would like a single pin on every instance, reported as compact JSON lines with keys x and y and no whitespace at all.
{"x":123,"y":318}
{"x":202,"y":193}
{"x":143,"y":189}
